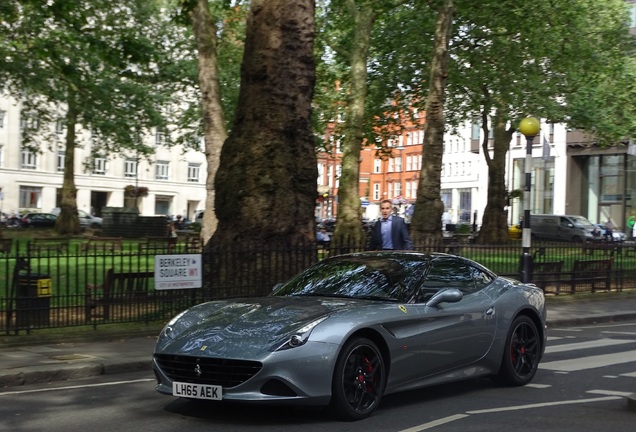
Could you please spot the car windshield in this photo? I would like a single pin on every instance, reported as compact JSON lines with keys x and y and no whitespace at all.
{"x":580,"y":221}
{"x":375,"y":278}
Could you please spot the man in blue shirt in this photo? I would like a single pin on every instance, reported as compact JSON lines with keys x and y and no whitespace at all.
{"x":390,"y":232}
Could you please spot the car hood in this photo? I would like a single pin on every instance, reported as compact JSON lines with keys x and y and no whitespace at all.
{"x":246,"y":328}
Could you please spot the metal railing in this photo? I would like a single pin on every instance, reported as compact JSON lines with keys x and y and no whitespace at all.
{"x":46,"y":286}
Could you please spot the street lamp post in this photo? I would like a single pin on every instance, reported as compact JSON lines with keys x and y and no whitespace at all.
{"x":529,"y":127}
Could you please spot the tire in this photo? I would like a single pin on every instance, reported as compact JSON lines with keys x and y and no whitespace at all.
{"x":522,"y":353}
{"x":358,"y":380}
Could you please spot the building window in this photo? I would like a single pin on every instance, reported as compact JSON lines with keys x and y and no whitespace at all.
{"x":447,"y":199}
{"x":321,"y":174}
{"x":397,"y":189}
{"x":163,"y":205}
{"x":61,"y":158}
{"x":465,"y":204}
{"x":29,"y":159}
{"x":130,"y":168}
{"x":194,"y":171}
{"x":160,"y":137}
{"x":475,"y":130}
{"x":338,"y":174}
{"x":377,"y":166}
{"x":99,"y":166}
{"x":330,"y":175}
{"x":59,"y":127}
{"x":29,"y":123}
{"x":376,"y":191}
{"x":30,"y":197}
{"x":162,"y":171}
{"x":3,"y":115}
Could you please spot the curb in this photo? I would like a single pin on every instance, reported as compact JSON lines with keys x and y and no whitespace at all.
{"x":65,"y":372}
{"x":570,"y":322}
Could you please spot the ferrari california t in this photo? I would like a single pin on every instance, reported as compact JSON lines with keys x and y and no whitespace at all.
{"x":353,"y":328}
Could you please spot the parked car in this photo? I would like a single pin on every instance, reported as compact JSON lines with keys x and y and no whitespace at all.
{"x":515,"y":232}
{"x":571,"y":228}
{"x":618,"y":236}
{"x":353,"y":328}
{"x":38,"y":220}
{"x":86,"y":220}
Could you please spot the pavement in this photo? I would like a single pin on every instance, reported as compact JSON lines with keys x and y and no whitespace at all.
{"x":28,"y":359}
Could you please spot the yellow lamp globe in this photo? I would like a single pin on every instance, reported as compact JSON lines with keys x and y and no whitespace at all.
{"x":529,"y":126}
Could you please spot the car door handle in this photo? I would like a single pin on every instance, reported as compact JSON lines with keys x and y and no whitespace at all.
{"x":490,"y":311}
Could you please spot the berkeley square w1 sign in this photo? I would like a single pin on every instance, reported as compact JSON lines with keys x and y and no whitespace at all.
{"x":177,"y":271}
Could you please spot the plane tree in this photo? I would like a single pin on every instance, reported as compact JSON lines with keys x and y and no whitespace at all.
{"x":265,"y":185}
{"x":106,"y":73}
{"x":509,"y":61}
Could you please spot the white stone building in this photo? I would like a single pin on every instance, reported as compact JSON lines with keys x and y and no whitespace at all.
{"x":32,"y":181}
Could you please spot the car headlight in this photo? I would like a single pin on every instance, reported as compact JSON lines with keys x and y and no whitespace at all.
{"x":299,"y":337}
{"x":174,"y":326}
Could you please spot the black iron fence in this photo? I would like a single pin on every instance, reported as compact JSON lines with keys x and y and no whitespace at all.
{"x":47,"y":283}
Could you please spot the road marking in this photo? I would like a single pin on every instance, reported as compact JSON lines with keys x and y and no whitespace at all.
{"x":542,"y":405}
{"x":76,"y":387}
{"x":630,"y":374}
{"x":449,"y":419}
{"x":538,"y":386}
{"x":609,"y":393}
{"x":585,"y":345}
{"x":431,"y":425}
{"x":620,"y":333}
{"x":590,"y":362}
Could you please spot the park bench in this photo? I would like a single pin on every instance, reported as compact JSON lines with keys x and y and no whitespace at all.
{"x":102,"y":244}
{"x":118,"y":288}
{"x":608,"y":247}
{"x":547,"y":273}
{"x":48,"y":245}
{"x":589,"y":272}
{"x":193,"y":243}
{"x":5,"y":245}
{"x":156,"y":245}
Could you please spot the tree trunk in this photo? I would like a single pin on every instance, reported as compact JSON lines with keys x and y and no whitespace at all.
{"x":266,"y":182}
{"x":494,"y":223}
{"x":205,"y":30}
{"x":68,"y":221}
{"x":426,"y":224}
{"x":349,"y":226}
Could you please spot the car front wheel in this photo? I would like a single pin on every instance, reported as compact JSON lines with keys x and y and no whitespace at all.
{"x":521,"y":353}
{"x":358,"y":380}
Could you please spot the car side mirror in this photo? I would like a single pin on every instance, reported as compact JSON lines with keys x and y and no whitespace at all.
{"x":450,"y":295}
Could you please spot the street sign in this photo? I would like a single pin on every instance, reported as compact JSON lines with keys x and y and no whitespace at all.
{"x":178,"y":271}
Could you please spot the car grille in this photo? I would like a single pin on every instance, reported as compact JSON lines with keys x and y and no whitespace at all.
{"x":223,"y":372}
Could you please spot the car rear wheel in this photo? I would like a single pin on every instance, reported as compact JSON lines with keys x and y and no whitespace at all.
{"x":359,"y":380}
{"x":521,"y":353}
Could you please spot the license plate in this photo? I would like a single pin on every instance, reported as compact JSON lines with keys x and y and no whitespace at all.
{"x":197,"y":391}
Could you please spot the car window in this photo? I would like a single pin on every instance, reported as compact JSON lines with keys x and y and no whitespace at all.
{"x":458,"y":274}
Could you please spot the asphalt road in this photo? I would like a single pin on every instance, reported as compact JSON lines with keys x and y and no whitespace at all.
{"x":581,"y":385}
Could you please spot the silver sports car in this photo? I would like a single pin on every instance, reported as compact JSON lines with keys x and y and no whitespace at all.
{"x":353,"y":328}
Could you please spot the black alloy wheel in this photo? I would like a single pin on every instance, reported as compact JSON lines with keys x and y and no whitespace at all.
{"x":522,"y":353}
{"x":359,"y":380}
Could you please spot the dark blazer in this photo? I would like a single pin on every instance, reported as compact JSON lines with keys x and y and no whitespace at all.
{"x":399,"y":235}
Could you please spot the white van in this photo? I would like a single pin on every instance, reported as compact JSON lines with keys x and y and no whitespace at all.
{"x":569,"y":228}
